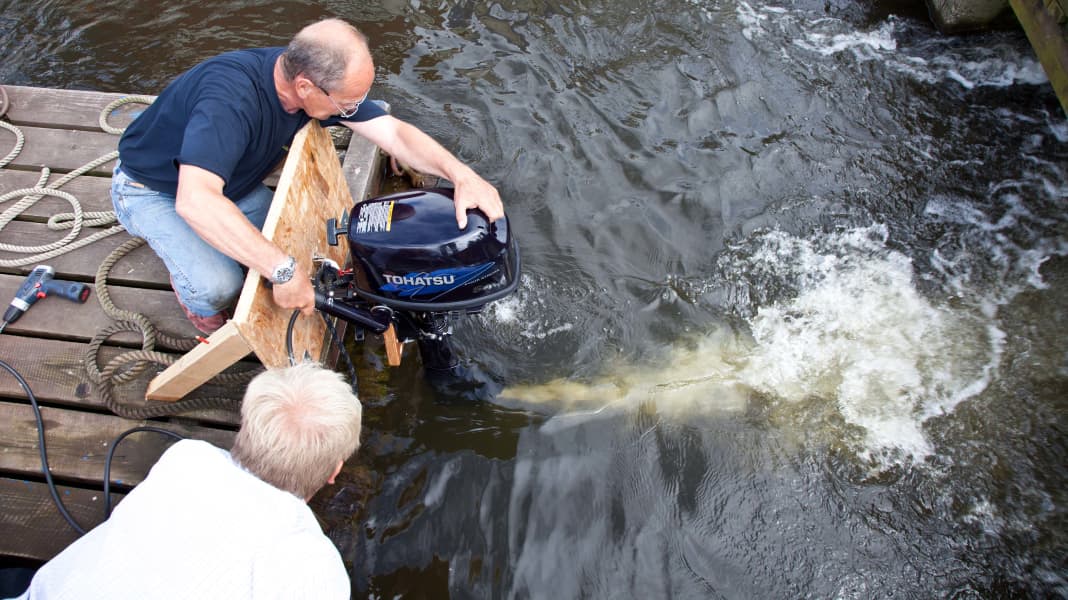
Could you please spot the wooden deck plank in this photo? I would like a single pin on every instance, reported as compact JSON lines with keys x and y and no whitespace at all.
{"x":62,"y":319}
{"x":55,"y":371}
{"x":78,"y":442}
{"x":139,"y":268}
{"x":93,"y":193}
{"x":72,"y":109}
{"x":31,"y":524}
{"x":61,"y":149}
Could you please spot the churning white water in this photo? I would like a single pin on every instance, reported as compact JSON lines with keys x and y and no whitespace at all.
{"x":858,"y":335}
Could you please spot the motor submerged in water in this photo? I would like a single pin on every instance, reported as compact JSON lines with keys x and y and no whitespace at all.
{"x":412,"y":268}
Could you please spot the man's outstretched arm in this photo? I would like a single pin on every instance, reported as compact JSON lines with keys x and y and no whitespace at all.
{"x":411,"y":146}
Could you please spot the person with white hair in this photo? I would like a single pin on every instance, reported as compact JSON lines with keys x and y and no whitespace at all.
{"x":206,"y":523}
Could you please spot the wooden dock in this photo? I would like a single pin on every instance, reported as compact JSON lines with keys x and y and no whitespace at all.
{"x":49,"y":343}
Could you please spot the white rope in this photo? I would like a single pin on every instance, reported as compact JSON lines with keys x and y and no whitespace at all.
{"x":19,"y":141}
{"x":73,"y":220}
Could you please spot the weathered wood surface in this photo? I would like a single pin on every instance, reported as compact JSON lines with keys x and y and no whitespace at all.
{"x":138,"y":268}
{"x":48,"y":344}
{"x":60,"y":318}
{"x":31,"y":524}
{"x":77,"y":443}
{"x":66,"y":109}
{"x":55,"y":371}
{"x":93,"y":193}
{"x":1046,"y":25}
{"x":61,"y":150}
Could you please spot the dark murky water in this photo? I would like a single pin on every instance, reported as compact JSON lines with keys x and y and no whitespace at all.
{"x":792,"y":317}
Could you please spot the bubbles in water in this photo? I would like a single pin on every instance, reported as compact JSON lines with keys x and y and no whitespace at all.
{"x":516,"y":312}
{"x":860,"y":334}
{"x":932,"y":60}
{"x":854,"y":331}
{"x":864,"y":45}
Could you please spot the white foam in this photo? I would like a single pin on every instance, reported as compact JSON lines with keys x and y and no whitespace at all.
{"x":516,"y":313}
{"x":860,"y":334}
{"x":865,"y":45}
{"x":932,"y":61}
{"x":857,"y":335}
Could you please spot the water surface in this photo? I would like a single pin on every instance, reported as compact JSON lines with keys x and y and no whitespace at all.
{"x":791,"y":321}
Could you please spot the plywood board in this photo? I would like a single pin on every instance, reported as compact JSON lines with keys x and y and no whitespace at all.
{"x":311,"y":190}
{"x":220,"y":350}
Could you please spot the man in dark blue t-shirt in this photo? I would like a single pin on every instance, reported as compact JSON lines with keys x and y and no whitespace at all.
{"x":190,"y":170}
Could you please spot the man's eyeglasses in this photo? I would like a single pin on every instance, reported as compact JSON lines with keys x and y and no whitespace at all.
{"x":348,"y":109}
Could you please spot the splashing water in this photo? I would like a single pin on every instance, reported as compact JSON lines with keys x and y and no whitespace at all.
{"x":857,"y":334}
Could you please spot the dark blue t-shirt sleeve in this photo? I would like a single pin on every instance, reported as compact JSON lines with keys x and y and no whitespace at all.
{"x":214,"y":138}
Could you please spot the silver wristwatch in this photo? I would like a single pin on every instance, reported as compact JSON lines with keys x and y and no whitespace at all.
{"x":284,"y":271}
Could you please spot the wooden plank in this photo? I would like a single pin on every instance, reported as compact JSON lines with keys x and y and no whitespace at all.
{"x":394,"y":348}
{"x":60,"y":149}
{"x":311,"y":189}
{"x":140,"y":267}
{"x":72,"y":109}
{"x":60,"y":318}
{"x":1050,"y":41}
{"x":362,"y":168}
{"x":56,"y":373}
{"x":223,"y":348}
{"x":93,"y":193}
{"x":78,"y":442}
{"x":30,"y":524}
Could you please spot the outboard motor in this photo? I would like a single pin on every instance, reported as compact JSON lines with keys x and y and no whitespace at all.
{"x":414,"y":269}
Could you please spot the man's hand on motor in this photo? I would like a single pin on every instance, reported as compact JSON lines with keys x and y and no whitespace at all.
{"x":475,"y":192}
{"x":295,"y":294}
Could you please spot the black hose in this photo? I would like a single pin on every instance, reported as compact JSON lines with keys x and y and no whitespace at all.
{"x":44,"y":453}
{"x":111,"y":454}
{"x":289,"y":337}
{"x":41,"y":446}
{"x":333,"y":336}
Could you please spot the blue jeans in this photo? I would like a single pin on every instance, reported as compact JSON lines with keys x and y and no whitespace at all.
{"x":207,"y":281}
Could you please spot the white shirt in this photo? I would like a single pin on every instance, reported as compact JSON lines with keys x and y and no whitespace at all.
{"x":199,"y":527}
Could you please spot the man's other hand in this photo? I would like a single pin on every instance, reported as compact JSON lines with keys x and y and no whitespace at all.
{"x":475,"y":192}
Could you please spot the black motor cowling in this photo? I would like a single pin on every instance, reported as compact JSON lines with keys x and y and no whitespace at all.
{"x":408,"y":253}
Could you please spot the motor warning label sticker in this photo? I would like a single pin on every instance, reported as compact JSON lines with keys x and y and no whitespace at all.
{"x":375,"y":218}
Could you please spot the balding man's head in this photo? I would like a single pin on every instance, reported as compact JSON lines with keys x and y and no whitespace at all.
{"x":323,"y":51}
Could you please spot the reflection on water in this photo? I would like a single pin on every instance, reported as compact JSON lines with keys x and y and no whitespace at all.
{"x":791,"y":322}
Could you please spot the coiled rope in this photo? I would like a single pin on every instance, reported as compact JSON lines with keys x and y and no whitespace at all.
{"x":74,"y":220}
{"x":128,"y":365}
